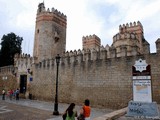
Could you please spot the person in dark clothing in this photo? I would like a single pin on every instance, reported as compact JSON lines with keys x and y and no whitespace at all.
{"x":70,"y":113}
{"x":3,"y":94}
{"x":17,"y":94}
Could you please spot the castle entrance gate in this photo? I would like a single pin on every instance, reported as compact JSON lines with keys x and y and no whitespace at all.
{"x":23,"y":83}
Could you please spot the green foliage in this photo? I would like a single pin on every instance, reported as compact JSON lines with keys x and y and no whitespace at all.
{"x":10,"y":45}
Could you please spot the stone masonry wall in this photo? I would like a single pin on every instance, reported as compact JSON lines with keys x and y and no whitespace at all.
{"x":7,"y":78}
{"x":106,"y":82}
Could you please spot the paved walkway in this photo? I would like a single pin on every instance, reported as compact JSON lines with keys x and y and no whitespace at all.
{"x":49,"y":106}
{"x":96,"y":113}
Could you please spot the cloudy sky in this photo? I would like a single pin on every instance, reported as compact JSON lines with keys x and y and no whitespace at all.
{"x":84,"y":17}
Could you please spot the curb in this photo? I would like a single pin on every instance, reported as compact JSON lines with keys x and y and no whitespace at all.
{"x":112,"y":115}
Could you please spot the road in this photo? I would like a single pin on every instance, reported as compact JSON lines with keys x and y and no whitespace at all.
{"x":9,"y":111}
{"x":25,"y":109}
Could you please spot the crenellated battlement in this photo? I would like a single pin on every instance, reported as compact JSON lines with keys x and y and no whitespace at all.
{"x":103,"y":53}
{"x":52,"y":12}
{"x":131,"y":24}
{"x":70,"y":57}
{"x":22,"y":56}
{"x":58,"y":13}
{"x":85,"y":55}
{"x":91,"y":37}
{"x":135,"y":27}
{"x":42,"y":11}
{"x":23,"y":61}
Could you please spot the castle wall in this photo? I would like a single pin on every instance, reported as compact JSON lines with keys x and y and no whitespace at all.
{"x":107,"y":82}
{"x":7,"y":78}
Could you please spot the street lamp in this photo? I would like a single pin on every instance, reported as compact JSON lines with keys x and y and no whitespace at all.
{"x":56,"y":95}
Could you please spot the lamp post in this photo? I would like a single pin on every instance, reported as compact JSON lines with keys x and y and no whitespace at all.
{"x":55,"y":112}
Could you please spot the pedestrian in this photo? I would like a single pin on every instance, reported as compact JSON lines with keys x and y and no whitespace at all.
{"x":17,"y":94}
{"x":10,"y":94}
{"x":70,"y":112}
{"x":3,"y":94}
{"x":85,"y":111}
{"x":24,"y":89}
{"x":14,"y":94}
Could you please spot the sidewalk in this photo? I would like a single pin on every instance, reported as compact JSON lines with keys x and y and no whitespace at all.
{"x":95,"y":112}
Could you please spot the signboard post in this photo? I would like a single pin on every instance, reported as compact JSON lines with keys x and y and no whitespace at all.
{"x":142,"y":105}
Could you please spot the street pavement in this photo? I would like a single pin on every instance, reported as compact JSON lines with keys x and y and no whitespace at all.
{"x":41,"y":110}
{"x":49,"y":107}
{"x":10,"y":111}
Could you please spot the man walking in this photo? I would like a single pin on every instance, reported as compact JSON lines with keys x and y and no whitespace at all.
{"x":3,"y":94}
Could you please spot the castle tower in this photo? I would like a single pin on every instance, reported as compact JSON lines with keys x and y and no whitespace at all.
{"x":131,"y":38}
{"x":50,"y":33}
{"x":128,"y":42}
{"x":90,"y":42}
{"x":135,"y":27}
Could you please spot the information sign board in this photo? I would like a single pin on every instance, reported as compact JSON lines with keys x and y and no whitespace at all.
{"x":142,"y":90}
{"x":141,"y":74}
{"x":142,"y":105}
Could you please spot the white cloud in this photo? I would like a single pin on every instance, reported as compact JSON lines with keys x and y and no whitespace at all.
{"x":19,"y":16}
{"x":144,"y":11}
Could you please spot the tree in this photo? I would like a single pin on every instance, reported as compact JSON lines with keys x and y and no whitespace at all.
{"x":10,"y":45}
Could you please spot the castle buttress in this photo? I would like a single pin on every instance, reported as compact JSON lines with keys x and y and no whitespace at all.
{"x":50,"y":33}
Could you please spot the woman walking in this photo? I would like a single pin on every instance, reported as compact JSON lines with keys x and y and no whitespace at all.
{"x":70,"y":113}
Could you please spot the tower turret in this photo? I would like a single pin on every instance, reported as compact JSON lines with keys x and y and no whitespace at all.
{"x":90,"y":42}
{"x":50,"y":33}
{"x":41,"y":8}
{"x":158,"y":45}
{"x":135,"y":27}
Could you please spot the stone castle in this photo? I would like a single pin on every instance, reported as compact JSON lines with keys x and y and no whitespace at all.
{"x":100,"y":73}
